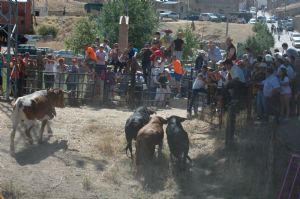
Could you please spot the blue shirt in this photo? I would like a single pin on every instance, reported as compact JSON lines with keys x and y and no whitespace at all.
{"x":215,"y":54}
{"x":270,"y":83}
{"x":132,"y":52}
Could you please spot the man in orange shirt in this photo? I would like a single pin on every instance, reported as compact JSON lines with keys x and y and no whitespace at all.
{"x":90,"y":56}
{"x":178,"y":72}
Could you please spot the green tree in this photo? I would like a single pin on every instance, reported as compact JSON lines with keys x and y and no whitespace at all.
{"x":191,"y":41}
{"x":84,"y":31}
{"x":262,"y":40}
{"x":143,"y":20}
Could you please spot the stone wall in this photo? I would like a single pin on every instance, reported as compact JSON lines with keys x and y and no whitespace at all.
{"x":297,"y":22}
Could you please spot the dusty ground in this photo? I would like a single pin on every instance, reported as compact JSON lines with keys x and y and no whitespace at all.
{"x":85,"y":159}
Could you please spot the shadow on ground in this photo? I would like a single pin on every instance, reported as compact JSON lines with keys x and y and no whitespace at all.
{"x":36,"y":153}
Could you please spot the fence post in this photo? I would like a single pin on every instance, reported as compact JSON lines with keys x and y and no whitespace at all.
{"x":230,"y":126}
{"x":190,"y":87}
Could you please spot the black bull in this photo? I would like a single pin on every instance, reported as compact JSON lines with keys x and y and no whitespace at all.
{"x":134,"y":123}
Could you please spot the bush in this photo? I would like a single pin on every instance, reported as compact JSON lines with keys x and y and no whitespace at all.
{"x":48,"y":30}
{"x":262,"y":40}
{"x":191,"y":41}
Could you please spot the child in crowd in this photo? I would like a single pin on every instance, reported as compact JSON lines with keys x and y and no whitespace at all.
{"x":285,"y":93}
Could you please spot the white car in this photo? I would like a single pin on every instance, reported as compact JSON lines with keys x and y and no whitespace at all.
{"x":252,"y":21}
{"x":169,"y":14}
{"x":296,"y":43}
{"x":294,"y":35}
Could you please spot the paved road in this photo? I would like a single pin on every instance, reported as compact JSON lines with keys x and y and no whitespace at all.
{"x":284,"y":37}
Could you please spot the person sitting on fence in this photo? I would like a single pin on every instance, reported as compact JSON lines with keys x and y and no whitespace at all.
{"x":60,"y":75}
{"x":163,"y":90}
{"x":199,"y":86}
{"x":90,"y":57}
{"x":72,"y":80}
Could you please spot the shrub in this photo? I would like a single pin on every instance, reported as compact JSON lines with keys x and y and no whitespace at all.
{"x":262,"y":40}
{"x":48,"y":30}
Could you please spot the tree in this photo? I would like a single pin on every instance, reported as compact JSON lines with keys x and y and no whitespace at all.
{"x":84,"y":31}
{"x":143,"y":20}
{"x":191,"y":41}
{"x":262,"y":40}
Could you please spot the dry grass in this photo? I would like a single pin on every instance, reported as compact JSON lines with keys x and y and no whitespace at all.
{"x":107,"y":145}
{"x":86,"y":183}
{"x":114,"y":174}
{"x":10,"y":191}
{"x":213,"y":31}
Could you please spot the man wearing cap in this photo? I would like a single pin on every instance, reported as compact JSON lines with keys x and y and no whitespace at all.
{"x":231,"y":50}
{"x":101,"y":56}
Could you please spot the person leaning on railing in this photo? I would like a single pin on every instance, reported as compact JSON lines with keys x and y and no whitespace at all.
{"x":49,"y":71}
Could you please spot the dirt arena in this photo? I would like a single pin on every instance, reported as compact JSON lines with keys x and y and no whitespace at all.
{"x":85,"y":158}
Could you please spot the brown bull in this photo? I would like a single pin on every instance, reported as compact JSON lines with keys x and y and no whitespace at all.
{"x":148,"y":137}
{"x":39,"y":105}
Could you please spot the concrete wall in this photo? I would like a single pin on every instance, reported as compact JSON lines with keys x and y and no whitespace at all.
{"x":297,"y":22}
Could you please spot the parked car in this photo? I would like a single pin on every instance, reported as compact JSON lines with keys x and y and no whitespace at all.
{"x":169,"y":14}
{"x":253,"y":10}
{"x":192,"y":17}
{"x":294,"y":34}
{"x":296,"y":43}
{"x":30,"y":48}
{"x":252,"y":21}
{"x":261,"y":19}
{"x":271,"y":20}
{"x":46,"y":50}
{"x":208,"y":17}
{"x":221,"y":17}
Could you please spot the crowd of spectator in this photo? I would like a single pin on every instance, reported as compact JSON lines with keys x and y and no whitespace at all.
{"x":272,"y":77}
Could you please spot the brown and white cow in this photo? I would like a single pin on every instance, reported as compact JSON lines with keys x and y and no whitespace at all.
{"x":39,"y":105}
{"x":148,"y":137}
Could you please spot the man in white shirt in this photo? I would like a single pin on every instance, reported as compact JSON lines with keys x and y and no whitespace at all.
{"x":236,"y":84}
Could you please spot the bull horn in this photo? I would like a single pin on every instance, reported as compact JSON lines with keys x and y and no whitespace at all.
{"x":68,"y":92}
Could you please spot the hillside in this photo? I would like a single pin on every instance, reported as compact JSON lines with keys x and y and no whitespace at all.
{"x":205,"y":30}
